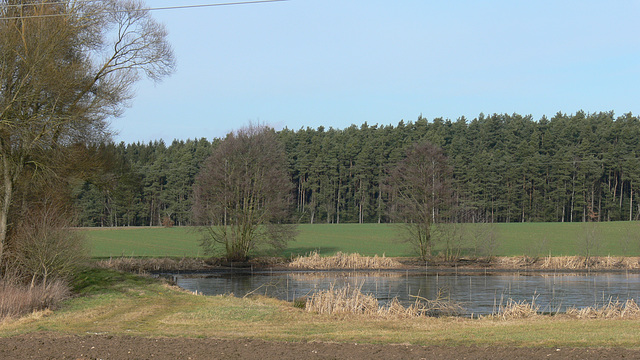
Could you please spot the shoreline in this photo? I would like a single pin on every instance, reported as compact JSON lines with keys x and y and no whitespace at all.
{"x":520,"y":264}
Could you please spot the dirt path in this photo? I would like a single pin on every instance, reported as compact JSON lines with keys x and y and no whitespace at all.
{"x":53,"y":346}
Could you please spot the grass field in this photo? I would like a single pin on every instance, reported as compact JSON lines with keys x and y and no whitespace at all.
{"x":513,"y":239}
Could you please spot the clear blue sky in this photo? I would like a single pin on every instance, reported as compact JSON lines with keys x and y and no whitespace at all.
{"x":335,"y":63}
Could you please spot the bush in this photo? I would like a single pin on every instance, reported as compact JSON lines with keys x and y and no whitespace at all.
{"x":167,"y":222}
{"x":18,"y":299}
{"x":45,"y":247}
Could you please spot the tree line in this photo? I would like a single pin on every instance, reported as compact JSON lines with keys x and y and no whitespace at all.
{"x":506,"y":168}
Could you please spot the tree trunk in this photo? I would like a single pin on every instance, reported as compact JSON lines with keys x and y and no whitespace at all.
{"x":4,"y":210}
{"x":573,"y":193}
{"x":631,"y":202}
{"x":621,"y":197}
{"x":8,"y":179}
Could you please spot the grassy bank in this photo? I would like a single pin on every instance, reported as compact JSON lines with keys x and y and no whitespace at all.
{"x":513,"y":239}
{"x":122,"y":304}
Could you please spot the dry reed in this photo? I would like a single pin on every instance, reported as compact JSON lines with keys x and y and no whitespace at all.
{"x":613,"y":310}
{"x":343,"y":261}
{"x":515,"y":261}
{"x":17,"y":299}
{"x":569,"y":262}
{"x":442,"y":305}
{"x":144,"y":265}
{"x":594,"y":263}
{"x":351,"y":300}
{"x":517,"y":310}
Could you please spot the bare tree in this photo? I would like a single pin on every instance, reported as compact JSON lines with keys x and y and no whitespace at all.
{"x":451,"y":237}
{"x":590,"y":242}
{"x":65,"y":68}
{"x":485,"y":238}
{"x":46,"y":247}
{"x":420,"y":188}
{"x":243,"y":194}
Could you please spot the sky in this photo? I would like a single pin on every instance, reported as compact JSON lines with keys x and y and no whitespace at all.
{"x":334,"y":63}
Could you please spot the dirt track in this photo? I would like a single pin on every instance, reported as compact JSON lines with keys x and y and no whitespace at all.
{"x":53,"y":346}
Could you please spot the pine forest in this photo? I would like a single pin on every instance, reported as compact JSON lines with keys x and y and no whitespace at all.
{"x":506,"y":168}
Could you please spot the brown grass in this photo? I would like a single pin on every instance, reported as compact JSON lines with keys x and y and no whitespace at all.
{"x":17,"y":299}
{"x":594,"y":263}
{"x":144,"y":265}
{"x":343,"y":261}
{"x":351,"y":300}
{"x":613,"y":310}
{"x":569,"y":262}
{"x":517,"y":310}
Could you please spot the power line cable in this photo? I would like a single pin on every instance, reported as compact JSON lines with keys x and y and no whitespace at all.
{"x":143,"y":9}
{"x":36,"y":3}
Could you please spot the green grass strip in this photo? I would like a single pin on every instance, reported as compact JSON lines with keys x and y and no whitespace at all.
{"x":513,"y":239}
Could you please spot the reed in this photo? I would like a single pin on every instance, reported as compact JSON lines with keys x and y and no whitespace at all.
{"x":343,"y":261}
{"x":344,"y":300}
{"x":612,"y":310}
{"x":351,"y":300}
{"x":594,"y":263}
{"x":515,"y":262}
{"x":18,"y":299}
{"x":569,"y":262}
{"x":442,"y":305}
{"x":615,"y":262}
{"x":144,"y":265}
{"x":518,"y":309}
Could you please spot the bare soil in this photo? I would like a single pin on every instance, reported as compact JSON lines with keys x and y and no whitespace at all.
{"x":95,"y":346}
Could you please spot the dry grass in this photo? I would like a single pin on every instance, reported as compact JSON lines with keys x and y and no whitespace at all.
{"x":569,"y":262}
{"x":613,"y":262}
{"x":17,"y":299}
{"x":517,"y":310}
{"x":594,"y":263}
{"x":343,"y":261}
{"x":515,"y":262}
{"x":144,"y":265}
{"x":351,"y":300}
{"x":613,"y":310}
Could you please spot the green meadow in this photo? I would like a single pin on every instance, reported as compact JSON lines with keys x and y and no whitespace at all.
{"x":513,"y":239}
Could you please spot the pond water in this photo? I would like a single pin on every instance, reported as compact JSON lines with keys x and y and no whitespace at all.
{"x":478,"y":293}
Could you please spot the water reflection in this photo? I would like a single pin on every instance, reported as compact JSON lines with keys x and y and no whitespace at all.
{"x":478,"y":294}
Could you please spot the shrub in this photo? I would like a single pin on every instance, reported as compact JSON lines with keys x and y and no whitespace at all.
{"x":45,"y":247}
{"x":18,"y":299}
{"x":167,"y":222}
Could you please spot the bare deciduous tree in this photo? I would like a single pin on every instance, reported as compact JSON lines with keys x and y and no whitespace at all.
{"x":591,"y":240}
{"x":485,"y":239}
{"x":451,"y":237}
{"x":242,"y":194}
{"x":420,"y":187}
{"x":65,"y":68}
{"x":46,"y":247}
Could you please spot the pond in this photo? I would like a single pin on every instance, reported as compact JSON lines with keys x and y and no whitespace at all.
{"x":478,"y":293}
